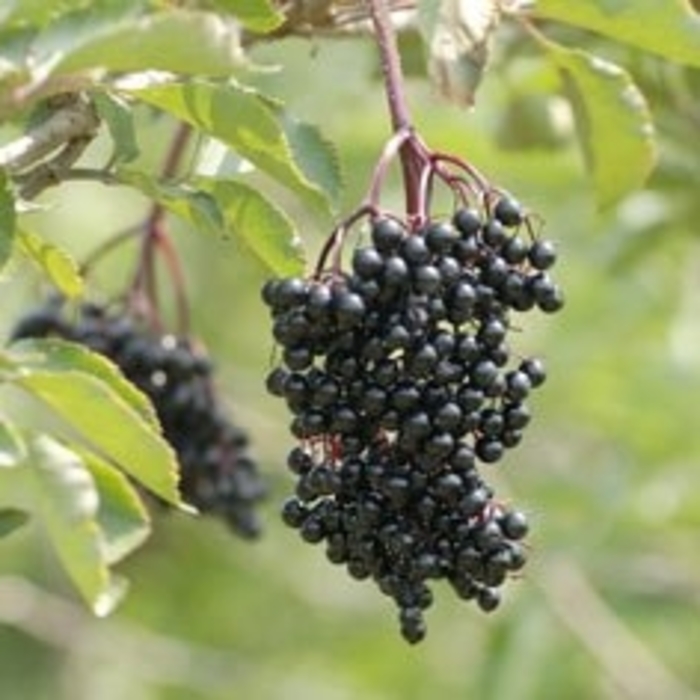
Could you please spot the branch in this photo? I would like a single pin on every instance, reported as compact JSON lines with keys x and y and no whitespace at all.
{"x":73,"y":118}
{"x":53,"y":171}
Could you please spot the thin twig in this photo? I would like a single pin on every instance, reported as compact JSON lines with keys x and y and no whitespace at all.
{"x":53,"y":171}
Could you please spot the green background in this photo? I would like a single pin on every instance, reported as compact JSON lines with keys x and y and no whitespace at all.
{"x":608,"y":473}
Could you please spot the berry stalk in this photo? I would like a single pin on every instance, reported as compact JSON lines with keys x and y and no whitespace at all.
{"x":411,"y":161}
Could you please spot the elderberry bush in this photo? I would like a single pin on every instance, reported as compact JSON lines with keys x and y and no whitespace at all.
{"x":218,"y":474}
{"x":400,"y":381}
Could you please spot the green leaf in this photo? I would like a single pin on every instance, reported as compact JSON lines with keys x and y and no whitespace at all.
{"x":256,"y":15}
{"x":12,"y":519}
{"x":42,"y":12}
{"x":8,"y":220}
{"x":12,"y":448}
{"x":612,"y":120}
{"x":196,"y":207}
{"x":261,"y":227}
{"x":103,"y":417}
{"x":119,"y":118}
{"x":122,"y":517}
{"x":58,"y":355}
{"x":64,"y":498}
{"x":315,"y":155}
{"x":247,"y":122}
{"x":179,"y":41}
{"x":52,"y":261}
{"x":668,"y":28}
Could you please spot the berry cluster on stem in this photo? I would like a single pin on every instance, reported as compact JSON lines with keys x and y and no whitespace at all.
{"x":397,"y":369}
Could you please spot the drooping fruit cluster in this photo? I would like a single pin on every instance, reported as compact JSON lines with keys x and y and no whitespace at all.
{"x":400,"y":381}
{"x":218,"y":475}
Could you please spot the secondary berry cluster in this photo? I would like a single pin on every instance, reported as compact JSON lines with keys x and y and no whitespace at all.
{"x":400,"y":381}
{"x":218,"y":475}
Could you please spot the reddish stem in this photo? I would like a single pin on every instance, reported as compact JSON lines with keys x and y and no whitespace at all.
{"x":411,"y":161}
{"x":156,"y":239}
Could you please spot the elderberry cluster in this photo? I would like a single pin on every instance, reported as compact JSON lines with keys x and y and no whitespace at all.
{"x":218,"y":475}
{"x":400,"y":381}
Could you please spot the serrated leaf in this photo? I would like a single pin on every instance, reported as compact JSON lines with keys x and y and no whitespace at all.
{"x":12,"y":448}
{"x":12,"y":519}
{"x":457,"y":35}
{"x":122,"y":517}
{"x":195,"y":206}
{"x":119,"y":118}
{"x":670,"y":29}
{"x":612,"y":120}
{"x":245,"y":121}
{"x":64,"y":498}
{"x":260,"y":226}
{"x":8,"y":220}
{"x":256,"y":15}
{"x":103,"y":418}
{"x":52,"y":261}
{"x":315,"y":155}
{"x":57,"y":355}
{"x":179,"y":41}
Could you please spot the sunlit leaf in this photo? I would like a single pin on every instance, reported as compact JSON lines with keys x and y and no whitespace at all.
{"x":256,"y":133}
{"x":123,"y":519}
{"x":102,"y":416}
{"x":58,"y":355}
{"x":180,"y":41}
{"x":65,"y":499}
{"x":52,"y":261}
{"x":457,"y":35}
{"x":669,"y":28}
{"x":7,"y":220}
{"x":259,"y":225}
{"x":612,"y":120}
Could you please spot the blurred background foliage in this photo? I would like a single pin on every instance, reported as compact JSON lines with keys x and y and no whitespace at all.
{"x":610,"y":603}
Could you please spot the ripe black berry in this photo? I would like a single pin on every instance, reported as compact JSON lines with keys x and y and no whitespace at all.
{"x":218,"y":475}
{"x":403,"y":386}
